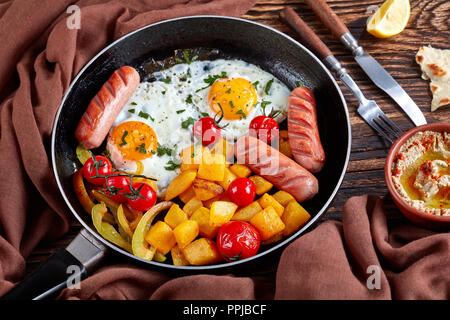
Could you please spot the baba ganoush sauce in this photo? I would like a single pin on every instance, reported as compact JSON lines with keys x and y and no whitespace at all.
{"x":424,"y":161}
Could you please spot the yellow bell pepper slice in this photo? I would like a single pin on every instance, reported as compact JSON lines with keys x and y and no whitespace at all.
{"x":106,"y":229}
{"x":139,"y":246}
{"x":114,"y":206}
{"x":123,"y":222}
{"x":82,"y":154}
{"x":159,"y":257}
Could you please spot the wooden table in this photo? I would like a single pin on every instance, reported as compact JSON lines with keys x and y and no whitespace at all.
{"x":429,"y":24}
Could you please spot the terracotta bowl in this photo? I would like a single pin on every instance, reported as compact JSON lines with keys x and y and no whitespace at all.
{"x":421,"y":218}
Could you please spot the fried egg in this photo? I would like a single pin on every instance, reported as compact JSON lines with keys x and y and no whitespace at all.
{"x":156,"y":123}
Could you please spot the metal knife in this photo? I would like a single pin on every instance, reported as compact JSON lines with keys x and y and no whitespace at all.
{"x":371,"y":67}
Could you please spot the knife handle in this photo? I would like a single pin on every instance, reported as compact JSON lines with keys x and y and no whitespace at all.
{"x":328,"y":17}
{"x":307,"y":36}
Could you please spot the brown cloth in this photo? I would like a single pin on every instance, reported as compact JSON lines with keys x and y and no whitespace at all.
{"x":40,"y":56}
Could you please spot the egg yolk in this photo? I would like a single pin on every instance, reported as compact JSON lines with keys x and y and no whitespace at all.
{"x":236,"y":97}
{"x":135,"y":140}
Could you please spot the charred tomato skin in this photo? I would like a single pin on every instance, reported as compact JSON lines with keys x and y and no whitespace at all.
{"x":238,"y":240}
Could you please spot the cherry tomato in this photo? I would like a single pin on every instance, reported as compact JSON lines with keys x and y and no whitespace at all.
{"x":242,"y":191}
{"x":238,"y":240}
{"x":116,"y":186}
{"x":101,"y":166}
{"x":143,"y":198}
{"x":264,"y":128}
{"x":206,"y":130}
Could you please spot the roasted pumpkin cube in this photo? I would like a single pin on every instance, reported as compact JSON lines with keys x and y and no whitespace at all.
{"x":192,"y":205}
{"x":175,"y":216}
{"x":186,"y":232}
{"x":201,"y":252}
{"x":208,"y":203}
{"x":274,"y":239}
{"x":161,"y":237}
{"x":268,"y":223}
{"x":187,"y":195}
{"x":294,"y":217}
{"x":229,"y":176}
{"x":240,"y":170}
{"x":178,"y":258}
{"x":191,"y":157}
{"x":224,"y":148}
{"x":268,"y":201}
{"x":246,"y":213}
{"x":221,"y":212}
{"x":283,"y":197}
{"x":212,"y":167}
{"x":205,"y":190}
{"x":180,"y":184}
{"x":261,"y":184}
{"x":284,"y":145}
{"x":201,"y":215}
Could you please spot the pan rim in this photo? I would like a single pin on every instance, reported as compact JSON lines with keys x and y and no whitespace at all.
{"x":289,"y":239}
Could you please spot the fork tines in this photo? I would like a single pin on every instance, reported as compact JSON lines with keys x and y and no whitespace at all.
{"x":378,"y":120}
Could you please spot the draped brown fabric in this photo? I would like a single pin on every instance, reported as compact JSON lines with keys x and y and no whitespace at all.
{"x":358,"y":258}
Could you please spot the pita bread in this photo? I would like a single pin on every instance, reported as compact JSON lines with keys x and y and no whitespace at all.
{"x":435,"y":65}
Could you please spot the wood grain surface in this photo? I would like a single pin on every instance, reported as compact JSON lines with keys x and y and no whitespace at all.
{"x":429,"y":24}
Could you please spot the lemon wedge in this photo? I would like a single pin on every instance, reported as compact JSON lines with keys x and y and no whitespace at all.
{"x":390,"y":19}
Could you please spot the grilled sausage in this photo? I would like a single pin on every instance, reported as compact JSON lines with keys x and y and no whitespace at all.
{"x":303,"y":130}
{"x":281,"y":171}
{"x":105,"y":106}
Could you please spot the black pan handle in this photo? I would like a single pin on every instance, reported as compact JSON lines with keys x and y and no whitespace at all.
{"x":51,"y":277}
{"x":64,"y":268}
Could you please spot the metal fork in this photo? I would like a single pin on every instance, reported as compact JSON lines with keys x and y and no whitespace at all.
{"x":368,"y":109}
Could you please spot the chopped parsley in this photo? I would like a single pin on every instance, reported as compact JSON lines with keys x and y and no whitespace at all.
{"x":131,"y":110}
{"x":180,"y":111}
{"x":211,"y":79}
{"x":241,"y":113}
{"x":141,"y":148}
{"x":299,"y":84}
{"x":189,"y":99}
{"x":186,"y":123}
{"x":144,"y":115}
{"x":167,"y":80}
{"x":125,"y":133}
{"x":231,"y":104}
{"x":268,"y":85}
{"x":204,"y":114}
{"x":163,"y":150}
{"x":163,"y":92}
{"x":255,"y":84}
{"x":171,"y":165}
{"x":228,"y":91}
{"x":265,"y":103}
{"x":133,"y":103}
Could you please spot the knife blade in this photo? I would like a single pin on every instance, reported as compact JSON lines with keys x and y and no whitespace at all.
{"x":380,"y":77}
{"x":383,"y":80}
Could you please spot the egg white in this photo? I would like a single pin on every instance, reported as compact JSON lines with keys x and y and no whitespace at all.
{"x":179,"y":97}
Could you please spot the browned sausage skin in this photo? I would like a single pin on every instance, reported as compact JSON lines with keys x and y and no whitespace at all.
{"x":103,"y":109}
{"x":303,"y":130}
{"x":281,"y":171}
